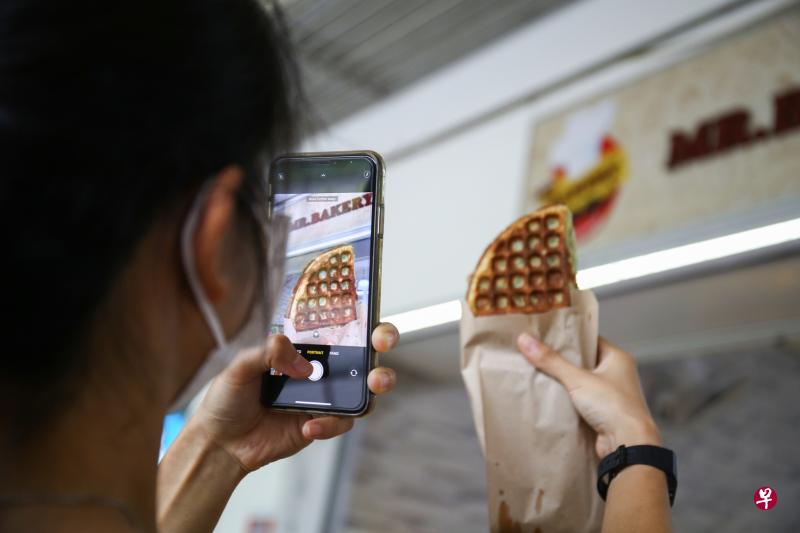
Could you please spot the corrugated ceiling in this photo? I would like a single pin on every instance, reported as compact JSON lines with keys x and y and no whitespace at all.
{"x":353,"y":53}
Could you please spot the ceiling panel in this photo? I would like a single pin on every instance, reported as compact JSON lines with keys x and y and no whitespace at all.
{"x":353,"y":53}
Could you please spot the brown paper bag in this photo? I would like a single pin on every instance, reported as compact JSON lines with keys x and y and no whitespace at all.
{"x":541,"y":465}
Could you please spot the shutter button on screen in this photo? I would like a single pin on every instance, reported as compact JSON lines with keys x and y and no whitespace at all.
{"x":318,"y":371}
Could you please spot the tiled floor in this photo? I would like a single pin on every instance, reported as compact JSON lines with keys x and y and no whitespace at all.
{"x":734,"y":420}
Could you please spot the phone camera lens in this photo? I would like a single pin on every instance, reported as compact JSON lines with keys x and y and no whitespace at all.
{"x":367,"y":174}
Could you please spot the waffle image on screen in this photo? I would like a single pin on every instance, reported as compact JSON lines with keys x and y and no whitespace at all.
{"x":325,"y":293}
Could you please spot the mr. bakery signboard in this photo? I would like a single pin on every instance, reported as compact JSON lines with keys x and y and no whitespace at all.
{"x":715,"y":134}
{"x":325,"y":219}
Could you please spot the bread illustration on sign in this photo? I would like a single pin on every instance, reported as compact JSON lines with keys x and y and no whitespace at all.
{"x":528,"y":268}
{"x":325,"y":294}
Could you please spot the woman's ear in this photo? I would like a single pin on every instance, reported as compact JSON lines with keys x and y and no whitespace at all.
{"x":214,"y":221}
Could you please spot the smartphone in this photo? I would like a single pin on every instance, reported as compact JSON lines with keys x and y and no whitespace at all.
{"x":330,"y":299}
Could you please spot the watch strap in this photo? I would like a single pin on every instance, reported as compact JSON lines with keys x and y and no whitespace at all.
{"x":644,"y":454}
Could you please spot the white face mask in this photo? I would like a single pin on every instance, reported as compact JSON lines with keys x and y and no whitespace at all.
{"x":254,"y":331}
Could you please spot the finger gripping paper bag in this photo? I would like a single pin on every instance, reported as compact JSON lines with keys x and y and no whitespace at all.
{"x":540,"y":459}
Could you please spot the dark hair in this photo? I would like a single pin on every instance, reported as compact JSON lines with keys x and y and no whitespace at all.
{"x":112,"y":113}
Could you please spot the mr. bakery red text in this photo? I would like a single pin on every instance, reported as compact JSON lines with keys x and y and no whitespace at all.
{"x":358,"y":202}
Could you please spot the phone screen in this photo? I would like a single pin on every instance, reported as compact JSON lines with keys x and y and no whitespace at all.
{"x":326,"y":302}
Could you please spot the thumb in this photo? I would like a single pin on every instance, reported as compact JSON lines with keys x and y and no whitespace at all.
{"x":278,"y":353}
{"x":551,"y":362}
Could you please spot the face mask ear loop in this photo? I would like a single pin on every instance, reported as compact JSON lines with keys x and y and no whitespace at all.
{"x":187,"y":255}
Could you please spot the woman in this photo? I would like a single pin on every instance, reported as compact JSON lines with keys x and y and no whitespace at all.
{"x":131,"y":133}
{"x":118,"y":122}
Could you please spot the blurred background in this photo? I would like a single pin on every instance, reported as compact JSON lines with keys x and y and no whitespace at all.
{"x":671,"y":129}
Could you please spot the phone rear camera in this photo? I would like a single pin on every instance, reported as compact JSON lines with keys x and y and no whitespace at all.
{"x":367,"y":174}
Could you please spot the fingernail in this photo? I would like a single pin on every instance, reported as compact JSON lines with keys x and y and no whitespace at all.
{"x":390,"y":339}
{"x":529,"y":344}
{"x":301,"y":365}
{"x":386,"y":380}
{"x":313,"y":431}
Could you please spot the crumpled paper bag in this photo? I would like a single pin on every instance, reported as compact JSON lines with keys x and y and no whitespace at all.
{"x":541,"y":465}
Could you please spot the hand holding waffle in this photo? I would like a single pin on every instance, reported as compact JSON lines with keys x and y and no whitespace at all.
{"x":525,"y":282}
{"x":609,"y":397}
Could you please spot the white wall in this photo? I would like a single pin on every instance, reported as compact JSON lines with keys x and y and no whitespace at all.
{"x":445,"y":203}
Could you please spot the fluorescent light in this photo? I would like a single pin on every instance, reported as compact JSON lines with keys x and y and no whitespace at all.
{"x":628,"y":269}
{"x":426,"y":317}
{"x":690,"y":254}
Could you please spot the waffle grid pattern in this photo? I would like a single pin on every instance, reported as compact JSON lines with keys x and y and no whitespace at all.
{"x":325,"y":294}
{"x":529,"y":268}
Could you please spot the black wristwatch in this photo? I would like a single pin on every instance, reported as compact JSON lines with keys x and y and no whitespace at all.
{"x":644,"y":454}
